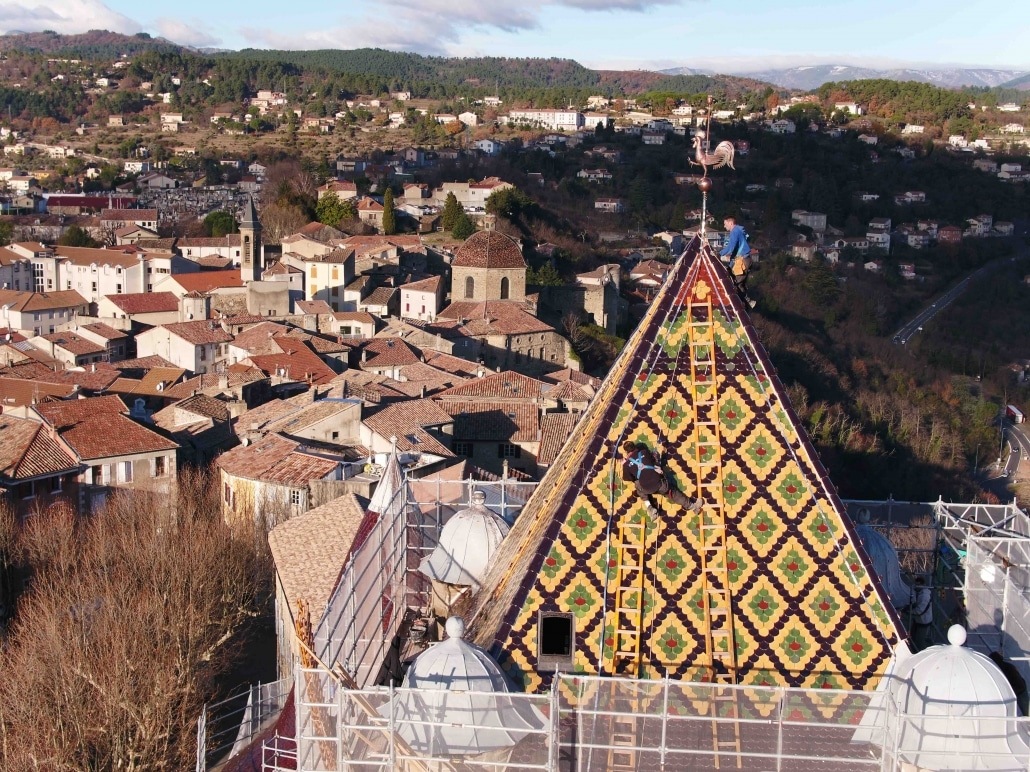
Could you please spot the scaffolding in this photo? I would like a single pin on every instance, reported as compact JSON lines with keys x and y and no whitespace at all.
{"x":800,"y":730}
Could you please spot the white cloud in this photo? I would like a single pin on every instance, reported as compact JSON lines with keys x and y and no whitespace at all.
{"x":189,"y":33}
{"x":64,"y":16}
{"x":435,"y":26}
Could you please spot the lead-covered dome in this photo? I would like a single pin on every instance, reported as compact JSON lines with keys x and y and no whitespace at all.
{"x":959,"y":710}
{"x":467,"y":544}
{"x":489,"y":249}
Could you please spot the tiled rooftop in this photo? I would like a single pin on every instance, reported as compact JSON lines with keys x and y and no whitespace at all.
{"x":28,"y":450}
{"x":145,"y":302}
{"x":489,"y":249}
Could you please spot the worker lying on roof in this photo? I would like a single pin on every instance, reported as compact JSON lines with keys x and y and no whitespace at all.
{"x":640,"y":465}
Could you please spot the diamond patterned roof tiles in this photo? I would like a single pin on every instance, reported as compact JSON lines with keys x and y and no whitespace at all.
{"x":804,"y":606}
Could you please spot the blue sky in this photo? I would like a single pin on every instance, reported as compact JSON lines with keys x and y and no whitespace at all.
{"x":617,"y":34}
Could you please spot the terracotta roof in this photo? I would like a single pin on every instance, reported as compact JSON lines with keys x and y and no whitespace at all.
{"x":29,"y":369}
{"x":41,"y":301}
{"x":389,"y":352}
{"x":275,"y":459}
{"x":310,"y":549}
{"x":576,"y":376}
{"x":298,"y":362}
{"x":568,"y":391}
{"x":95,"y":378}
{"x":555,"y":429}
{"x":431,"y":377}
{"x":313,"y":306}
{"x":205,"y":281}
{"x":492,"y":421}
{"x":320,"y":345}
{"x":142,"y":363}
{"x":259,"y":338}
{"x":104,"y":331}
{"x":89,"y":256}
{"x":401,"y":242}
{"x":407,"y":421}
{"x":145,"y":302}
{"x":381,"y":296}
{"x":354,"y":316}
{"x":369,"y":205}
{"x":280,"y":269}
{"x":493,"y":317}
{"x":370,"y":387}
{"x":234,"y":375}
{"x":506,"y":385}
{"x":199,"y":332}
{"x":74,"y":344}
{"x":309,"y":413}
{"x":97,"y":428}
{"x":28,"y":450}
{"x":206,"y":406}
{"x":452,"y":364}
{"x":129,"y":215}
{"x":432,"y":284}
{"x":489,"y":249}
{"x":23,"y":391}
{"x":214,"y":262}
{"x":230,"y":240}
{"x":155,"y":382}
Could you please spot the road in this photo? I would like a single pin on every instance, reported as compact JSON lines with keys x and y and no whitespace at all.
{"x":915,"y":325}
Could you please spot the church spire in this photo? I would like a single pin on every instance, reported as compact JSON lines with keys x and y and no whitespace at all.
{"x":769,"y":563}
{"x":250,"y":243}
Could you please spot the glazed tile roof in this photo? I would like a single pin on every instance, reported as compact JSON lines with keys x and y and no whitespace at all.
{"x":310,"y":549}
{"x":28,"y":450}
{"x":804,"y":606}
{"x":506,"y":385}
{"x":97,"y":428}
{"x":145,"y":302}
{"x":555,"y":430}
{"x":489,"y":249}
{"x":486,"y":421}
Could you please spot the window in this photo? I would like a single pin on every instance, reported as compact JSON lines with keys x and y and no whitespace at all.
{"x":56,"y":484}
{"x":470,"y":287}
{"x":407,"y":307}
{"x":423,"y":309}
{"x":504,"y":288}
{"x":94,"y":286}
{"x":118,"y":289}
{"x":125,"y":471}
{"x":203,"y":353}
{"x":68,"y":284}
{"x":508,"y":450}
{"x":335,"y":435}
{"x":159,"y":466}
{"x":295,"y":497}
{"x":555,"y":636}
{"x":463,"y":449}
{"x":227,"y":494}
{"x":96,"y":476}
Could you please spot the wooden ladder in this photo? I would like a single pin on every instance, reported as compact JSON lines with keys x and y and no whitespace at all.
{"x":630,"y":550}
{"x":720,"y":639}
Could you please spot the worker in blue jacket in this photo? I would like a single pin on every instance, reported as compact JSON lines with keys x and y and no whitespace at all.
{"x":737,"y":253}
{"x":641,"y":466}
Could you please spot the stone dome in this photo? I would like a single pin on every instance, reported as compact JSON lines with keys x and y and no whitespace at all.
{"x":467,"y":545}
{"x":489,"y":249}
{"x":956,"y":703}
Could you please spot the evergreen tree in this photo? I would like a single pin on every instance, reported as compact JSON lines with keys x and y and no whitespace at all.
{"x":330,"y":210}
{"x":451,"y":210}
{"x":77,"y":237}
{"x":220,"y":223}
{"x":389,"y":215}
{"x":463,"y":227}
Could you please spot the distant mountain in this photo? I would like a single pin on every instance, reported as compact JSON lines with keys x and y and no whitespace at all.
{"x":808,"y":78}
{"x":686,"y":71}
{"x":1020,"y":84}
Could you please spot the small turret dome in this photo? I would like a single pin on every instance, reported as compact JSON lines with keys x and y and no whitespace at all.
{"x":489,"y":249}
{"x":467,"y":545}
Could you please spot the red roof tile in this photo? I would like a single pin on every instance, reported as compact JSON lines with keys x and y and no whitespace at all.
{"x":28,"y":450}
{"x":145,"y":302}
{"x":489,"y":249}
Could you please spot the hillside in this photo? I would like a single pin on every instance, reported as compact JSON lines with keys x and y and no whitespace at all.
{"x":92,"y":44}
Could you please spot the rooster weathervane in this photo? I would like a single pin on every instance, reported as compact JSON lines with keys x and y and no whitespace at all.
{"x":707,"y":159}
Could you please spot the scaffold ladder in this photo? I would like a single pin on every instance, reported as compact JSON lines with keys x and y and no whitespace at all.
{"x":629,"y":597}
{"x":630,"y":551}
{"x":720,"y":640}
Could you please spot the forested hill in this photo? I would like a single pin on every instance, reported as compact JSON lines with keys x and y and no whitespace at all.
{"x":442,"y":77}
{"x":95,"y":44}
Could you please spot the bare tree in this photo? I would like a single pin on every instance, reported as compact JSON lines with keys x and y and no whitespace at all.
{"x":128,"y":621}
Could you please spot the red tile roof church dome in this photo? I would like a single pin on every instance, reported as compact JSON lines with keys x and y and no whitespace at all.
{"x":489,"y":249}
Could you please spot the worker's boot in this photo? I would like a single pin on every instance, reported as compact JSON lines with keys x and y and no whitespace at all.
{"x":681,"y":499}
